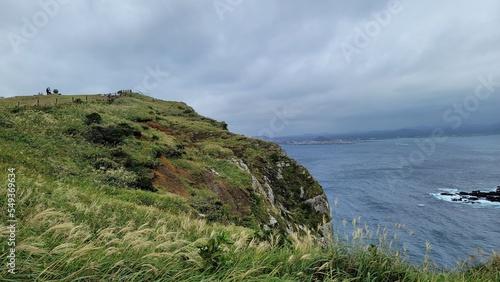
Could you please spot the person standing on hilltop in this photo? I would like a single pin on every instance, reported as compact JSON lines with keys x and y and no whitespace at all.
{"x":48,"y":91}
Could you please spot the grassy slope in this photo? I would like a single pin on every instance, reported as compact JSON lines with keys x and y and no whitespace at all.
{"x":185,"y":154}
{"x":77,"y":219}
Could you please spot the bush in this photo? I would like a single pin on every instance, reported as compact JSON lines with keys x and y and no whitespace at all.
{"x":105,"y":164}
{"x":143,"y":119}
{"x":170,"y":151}
{"x":212,"y":254}
{"x":16,"y":109}
{"x":111,"y":135}
{"x":275,"y":157}
{"x":207,"y":203}
{"x":144,"y":183}
{"x":223,"y":125}
{"x":93,"y":118}
{"x":119,"y":177}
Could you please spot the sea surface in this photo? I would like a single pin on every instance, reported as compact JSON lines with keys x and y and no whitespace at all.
{"x":397,"y":184}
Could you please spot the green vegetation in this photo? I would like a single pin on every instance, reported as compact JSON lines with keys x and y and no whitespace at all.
{"x":141,"y":143}
{"x":144,"y":190}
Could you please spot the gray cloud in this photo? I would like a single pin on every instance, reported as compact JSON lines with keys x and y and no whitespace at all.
{"x":264,"y":57}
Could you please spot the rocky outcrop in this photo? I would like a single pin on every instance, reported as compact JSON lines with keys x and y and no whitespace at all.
{"x":320,"y":204}
{"x":293,"y":199}
{"x":474,"y":196}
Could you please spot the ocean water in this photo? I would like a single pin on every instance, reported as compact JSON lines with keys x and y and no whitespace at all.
{"x":397,"y":184}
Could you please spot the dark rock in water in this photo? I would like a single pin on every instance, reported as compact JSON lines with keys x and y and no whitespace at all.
{"x":474,"y":196}
{"x":493,"y":198}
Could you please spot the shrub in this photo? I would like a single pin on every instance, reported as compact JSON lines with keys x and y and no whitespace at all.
{"x":143,"y":119}
{"x":119,"y":153}
{"x":111,"y":135}
{"x":119,"y":177}
{"x":105,"y":164}
{"x":275,"y":157}
{"x":143,"y":182}
{"x":170,"y":151}
{"x":212,"y":254}
{"x":207,"y":203}
{"x":16,"y":109}
{"x":223,"y":125}
{"x":93,"y":118}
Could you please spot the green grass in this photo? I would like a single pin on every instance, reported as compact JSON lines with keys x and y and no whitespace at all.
{"x":80,"y":217}
{"x":69,"y":232}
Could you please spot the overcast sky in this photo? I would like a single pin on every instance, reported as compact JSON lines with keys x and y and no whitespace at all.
{"x":267,"y":67}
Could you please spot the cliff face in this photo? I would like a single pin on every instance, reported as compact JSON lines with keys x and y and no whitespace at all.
{"x":291,"y":199}
{"x":137,"y":142}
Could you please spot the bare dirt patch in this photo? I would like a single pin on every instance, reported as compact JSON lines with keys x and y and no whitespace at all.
{"x":160,"y":127}
{"x":166,"y":176}
{"x":236,"y":199}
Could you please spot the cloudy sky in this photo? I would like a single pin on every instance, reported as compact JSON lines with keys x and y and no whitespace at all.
{"x":266,"y":66}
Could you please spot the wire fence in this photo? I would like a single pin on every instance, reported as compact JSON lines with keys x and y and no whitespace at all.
{"x":54,"y":99}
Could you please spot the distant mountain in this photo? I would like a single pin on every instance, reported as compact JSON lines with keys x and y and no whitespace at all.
{"x":415,"y":132}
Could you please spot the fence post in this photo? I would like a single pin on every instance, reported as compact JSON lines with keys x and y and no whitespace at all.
{"x":86,"y":99}
{"x":38,"y":102}
{"x":73,"y":99}
{"x":56,"y":101}
{"x":17,"y":103}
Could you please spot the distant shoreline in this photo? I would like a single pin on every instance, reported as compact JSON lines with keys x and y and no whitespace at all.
{"x":357,"y":141}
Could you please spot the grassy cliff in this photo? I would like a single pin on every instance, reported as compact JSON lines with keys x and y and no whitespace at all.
{"x":138,"y":189}
{"x":134,"y":143}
